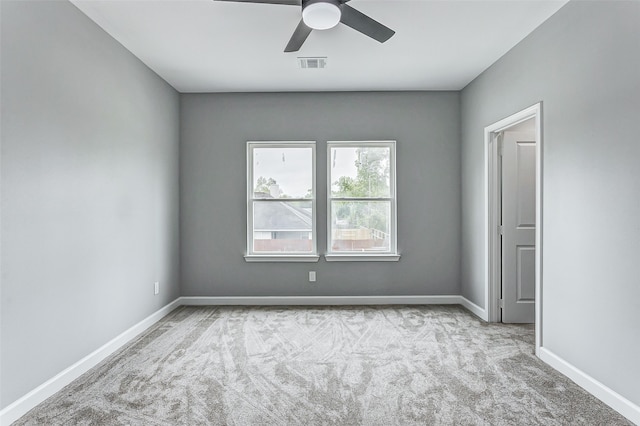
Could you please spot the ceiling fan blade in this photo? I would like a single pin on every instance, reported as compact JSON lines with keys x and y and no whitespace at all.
{"x":284,"y":2}
{"x":367,"y":26}
{"x":299,"y":36}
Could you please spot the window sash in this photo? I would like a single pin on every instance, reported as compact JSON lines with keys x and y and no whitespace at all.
{"x":392,"y":199}
{"x":251,"y":199}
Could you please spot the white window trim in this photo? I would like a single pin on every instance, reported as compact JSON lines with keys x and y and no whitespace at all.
{"x":251,"y":256}
{"x":346,"y":257}
{"x":388,"y":256}
{"x":281,"y":258}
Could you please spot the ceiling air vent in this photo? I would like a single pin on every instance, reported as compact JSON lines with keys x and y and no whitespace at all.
{"x":312,"y":63}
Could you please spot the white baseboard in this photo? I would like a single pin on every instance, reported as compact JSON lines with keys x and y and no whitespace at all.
{"x":613,"y":399}
{"x":29,"y":401}
{"x":474,"y":309}
{"x":20,"y":407}
{"x":322,"y":300}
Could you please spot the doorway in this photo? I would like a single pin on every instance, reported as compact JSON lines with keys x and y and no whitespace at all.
{"x":513,"y":153}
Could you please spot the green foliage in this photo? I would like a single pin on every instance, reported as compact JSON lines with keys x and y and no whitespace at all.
{"x":371,"y":181}
{"x":372,"y":178}
{"x":263,"y":185}
{"x":309,"y":193}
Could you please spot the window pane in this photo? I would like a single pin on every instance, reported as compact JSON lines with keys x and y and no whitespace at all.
{"x":360,"y":172}
{"x":282,"y":226}
{"x":282,"y":172}
{"x":360,"y":226}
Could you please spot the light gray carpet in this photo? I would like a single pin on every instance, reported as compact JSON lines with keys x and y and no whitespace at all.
{"x":401,"y":365}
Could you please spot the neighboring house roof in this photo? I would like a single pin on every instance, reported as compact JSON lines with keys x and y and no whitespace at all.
{"x":281,"y":216}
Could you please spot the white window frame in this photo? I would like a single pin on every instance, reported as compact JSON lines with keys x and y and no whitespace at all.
{"x":392,"y":255}
{"x":250,"y":255}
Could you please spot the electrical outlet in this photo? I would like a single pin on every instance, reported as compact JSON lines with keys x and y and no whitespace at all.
{"x":312,"y":276}
{"x":156,"y":287}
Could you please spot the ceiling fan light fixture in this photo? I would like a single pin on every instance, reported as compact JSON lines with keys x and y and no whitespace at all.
{"x":321,"y":15}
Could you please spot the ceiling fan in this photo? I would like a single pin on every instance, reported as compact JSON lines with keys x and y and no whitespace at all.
{"x":325,"y":14}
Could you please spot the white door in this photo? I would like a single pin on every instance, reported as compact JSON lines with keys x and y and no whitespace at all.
{"x":518,"y":182}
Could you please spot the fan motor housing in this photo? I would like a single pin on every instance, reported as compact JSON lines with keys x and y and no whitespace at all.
{"x":321,"y":14}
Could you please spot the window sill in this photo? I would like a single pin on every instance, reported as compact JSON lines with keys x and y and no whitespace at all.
{"x":362,"y":257}
{"x":281,"y":258}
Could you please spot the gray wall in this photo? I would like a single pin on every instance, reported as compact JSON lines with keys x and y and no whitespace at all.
{"x":89,"y":191}
{"x":214,"y":131}
{"x":584,"y":64}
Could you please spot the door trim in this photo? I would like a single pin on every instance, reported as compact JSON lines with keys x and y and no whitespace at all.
{"x":492,"y":201}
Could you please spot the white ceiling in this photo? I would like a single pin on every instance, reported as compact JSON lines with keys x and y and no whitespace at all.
{"x":215,"y":46}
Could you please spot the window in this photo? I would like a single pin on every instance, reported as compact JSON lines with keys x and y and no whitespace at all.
{"x":281,"y":201}
{"x":361,"y":201}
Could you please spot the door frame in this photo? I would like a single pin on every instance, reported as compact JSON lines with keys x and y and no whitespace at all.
{"x":492,"y":201}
